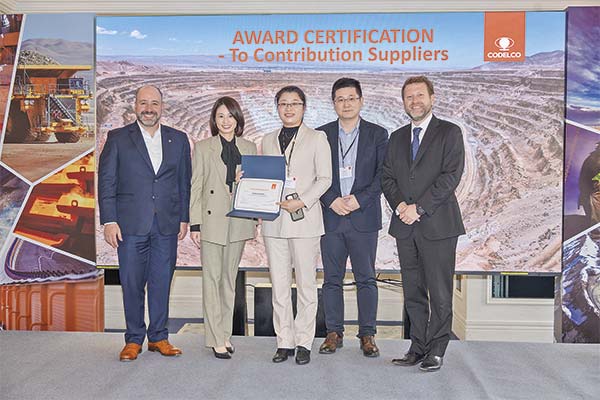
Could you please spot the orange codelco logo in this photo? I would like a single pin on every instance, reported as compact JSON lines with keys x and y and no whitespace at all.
{"x":504,"y":36}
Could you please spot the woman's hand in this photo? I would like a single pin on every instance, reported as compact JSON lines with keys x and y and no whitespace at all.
{"x":291,"y":205}
{"x":238,"y":176}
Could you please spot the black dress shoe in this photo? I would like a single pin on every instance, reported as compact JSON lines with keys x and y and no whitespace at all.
{"x":409,"y":359}
{"x":222,"y":356}
{"x":302,"y":355}
{"x":230,"y":349}
{"x":431,"y":363}
{"x":282,"y":354}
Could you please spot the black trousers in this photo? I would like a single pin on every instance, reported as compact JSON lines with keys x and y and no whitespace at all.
{"x":427,"y":268}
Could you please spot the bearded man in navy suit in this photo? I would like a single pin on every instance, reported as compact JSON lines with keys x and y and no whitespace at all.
{"x":144,"y":177}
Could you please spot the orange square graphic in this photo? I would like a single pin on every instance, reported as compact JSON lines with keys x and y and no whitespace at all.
{"x":504,"y":36}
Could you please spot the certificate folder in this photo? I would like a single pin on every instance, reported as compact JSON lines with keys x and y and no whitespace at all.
{"x":260,"y":167}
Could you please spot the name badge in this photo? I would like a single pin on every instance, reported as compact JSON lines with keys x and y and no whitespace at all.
{"x":346,"y":172}
{"x":290,"y":182}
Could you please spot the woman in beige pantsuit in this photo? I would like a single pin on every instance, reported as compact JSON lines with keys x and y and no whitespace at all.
{"x":296,"y":242}
{"x":220,"y":238}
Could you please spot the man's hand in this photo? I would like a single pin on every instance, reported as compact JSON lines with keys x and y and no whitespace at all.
{"x":410,"y":215}
{"x":195,"y":236}
{"x":183,"y":228}
{"x":351,"y":202}
{"x":401,"y":208}
{"x":340,"y":207}
{"x":291,"y":205}
{"x":112,"y":235}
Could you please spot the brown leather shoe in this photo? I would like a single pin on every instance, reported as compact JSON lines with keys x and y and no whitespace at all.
{"x":332,"y":342}
{"x":368,"y":346}
{"x":130,"y":352}
{"x":164,"y":347}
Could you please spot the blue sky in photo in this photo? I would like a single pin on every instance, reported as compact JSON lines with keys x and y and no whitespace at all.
{"x":583,"y":65}
{"x":73,"y":27}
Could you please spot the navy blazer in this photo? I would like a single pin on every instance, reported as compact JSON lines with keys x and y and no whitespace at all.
{"x":372,"y":143}
{"x":430,"y":180}
{"x":130,"y":193}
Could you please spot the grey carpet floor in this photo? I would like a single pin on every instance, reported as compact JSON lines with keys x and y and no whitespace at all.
{"x":48,"y":365}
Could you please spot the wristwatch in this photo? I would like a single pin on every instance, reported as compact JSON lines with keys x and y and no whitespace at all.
{"x":420,"y":210}
{"x":195,"y":228}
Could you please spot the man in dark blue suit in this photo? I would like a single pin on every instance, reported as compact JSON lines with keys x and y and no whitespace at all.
{"x":422,"y":169}
{"x":144,"y":194}
{"x":352,"y":216}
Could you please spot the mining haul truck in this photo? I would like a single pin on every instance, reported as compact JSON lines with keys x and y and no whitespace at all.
{"x":48,"y":100}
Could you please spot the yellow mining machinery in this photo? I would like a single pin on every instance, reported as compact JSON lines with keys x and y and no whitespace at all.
{"x":46,"y":100}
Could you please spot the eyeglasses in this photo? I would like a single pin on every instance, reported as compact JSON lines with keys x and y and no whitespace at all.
{"x":291,"y":105}
{"x":351,"y":100}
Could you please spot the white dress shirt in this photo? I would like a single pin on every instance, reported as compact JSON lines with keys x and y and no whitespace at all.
{"x":154,"y":146}
{"x":424,"y":124}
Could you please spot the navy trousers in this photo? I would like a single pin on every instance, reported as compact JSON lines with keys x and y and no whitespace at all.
{"x":147,"y":260}
{"x":336,"y":246}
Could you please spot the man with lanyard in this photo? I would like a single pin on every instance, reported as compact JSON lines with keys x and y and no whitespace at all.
{"x":352,"y":215}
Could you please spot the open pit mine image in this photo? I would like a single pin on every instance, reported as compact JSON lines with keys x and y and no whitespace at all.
{"x":511,"y":119}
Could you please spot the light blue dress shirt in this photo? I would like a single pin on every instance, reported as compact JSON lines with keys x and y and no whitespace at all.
{"x":347,"y":151}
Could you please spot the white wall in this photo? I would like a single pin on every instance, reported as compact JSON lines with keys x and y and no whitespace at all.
{"x":478,"y":316}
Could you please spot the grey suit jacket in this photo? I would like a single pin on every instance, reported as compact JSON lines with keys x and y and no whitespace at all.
{"x":210,"y":199}
{"x":310,"y":164}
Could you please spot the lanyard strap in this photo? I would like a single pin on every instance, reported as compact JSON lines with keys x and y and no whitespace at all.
{"x":344,"y":154}
{"x":289,"y":161}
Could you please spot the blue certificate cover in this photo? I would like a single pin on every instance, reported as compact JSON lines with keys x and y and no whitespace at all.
{"x":260,"y":167}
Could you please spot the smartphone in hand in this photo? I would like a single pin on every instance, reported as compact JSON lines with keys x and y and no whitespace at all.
{"x":298,"y":214}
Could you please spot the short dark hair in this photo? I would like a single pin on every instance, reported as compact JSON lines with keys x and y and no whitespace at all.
{"x":234,"y":109}
{"x":292,"y":89}
{"x":137,"y":91}
{"x":418,"y":79}
{"x":345,"y":83}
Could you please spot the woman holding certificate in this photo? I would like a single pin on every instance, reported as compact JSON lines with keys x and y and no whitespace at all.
{"x":220,"y":238}
{"x":293,"y":237}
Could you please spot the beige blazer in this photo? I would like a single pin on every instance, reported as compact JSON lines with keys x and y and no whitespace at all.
{"x":310,"y":164}
{"x":210,"y":199}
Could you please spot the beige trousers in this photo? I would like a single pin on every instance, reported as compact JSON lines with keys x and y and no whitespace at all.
{"x":219,"y":271}
{"x":300,"y":254}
